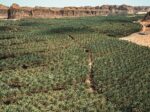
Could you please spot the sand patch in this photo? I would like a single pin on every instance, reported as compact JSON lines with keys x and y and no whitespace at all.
{"x":141,"y":38}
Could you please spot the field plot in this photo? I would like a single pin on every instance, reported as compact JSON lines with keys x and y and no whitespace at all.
{"x":44,"y":65}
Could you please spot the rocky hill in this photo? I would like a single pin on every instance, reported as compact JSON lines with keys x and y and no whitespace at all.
{"x":17,"y":12}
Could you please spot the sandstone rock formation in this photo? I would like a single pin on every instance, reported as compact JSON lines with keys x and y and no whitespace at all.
{"x":42,"y":12}
{"x":146,"y":22}
{"x":17,"y":12}
{"x":147,"y":17}
{"x":3,"y":11}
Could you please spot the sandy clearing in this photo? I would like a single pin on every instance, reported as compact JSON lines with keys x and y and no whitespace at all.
{"x":141,"y":38}
{"x":138,"y":38}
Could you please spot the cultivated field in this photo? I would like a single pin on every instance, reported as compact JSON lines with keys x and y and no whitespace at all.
{"x":73,"y":65}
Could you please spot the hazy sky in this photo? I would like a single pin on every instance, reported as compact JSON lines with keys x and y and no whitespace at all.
{"x":62,"y":3}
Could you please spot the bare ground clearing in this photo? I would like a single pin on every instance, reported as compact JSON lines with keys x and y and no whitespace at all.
{"x":141,"y":38}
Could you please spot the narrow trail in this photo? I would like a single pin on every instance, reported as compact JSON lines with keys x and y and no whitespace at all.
{"x":89,"y":81}
{"x":141,"y":38}
{"x":90,"y":77}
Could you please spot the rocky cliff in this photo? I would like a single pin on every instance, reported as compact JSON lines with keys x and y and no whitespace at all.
{"x":17,"y":12}
{"x":147,"y":17}
{"x":3,"y":11}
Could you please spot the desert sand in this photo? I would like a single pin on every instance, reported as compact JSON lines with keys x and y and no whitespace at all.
{"x":141,"y":38}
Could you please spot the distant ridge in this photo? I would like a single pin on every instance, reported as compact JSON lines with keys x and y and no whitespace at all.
{"x":17,"y":12}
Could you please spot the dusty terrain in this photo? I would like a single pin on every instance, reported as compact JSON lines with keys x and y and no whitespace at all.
{"x":141,"y":38}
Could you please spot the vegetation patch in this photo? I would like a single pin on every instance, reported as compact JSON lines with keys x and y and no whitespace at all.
{"x":45,"y":65}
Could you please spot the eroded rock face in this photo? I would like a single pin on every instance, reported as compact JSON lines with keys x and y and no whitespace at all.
{"x":146,"y":23}
{"x":41,"y":12}
{"x":114,"y":9}
{"x":17,"y":12}
{"x":147,"y":17}
{"x":3,"y":12}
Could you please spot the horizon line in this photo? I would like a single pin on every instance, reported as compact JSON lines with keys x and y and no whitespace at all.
{"x":75,"y":6}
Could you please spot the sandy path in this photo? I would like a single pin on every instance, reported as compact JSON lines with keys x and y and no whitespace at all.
{"x":139,"y":38}
{"x":143,"y":40}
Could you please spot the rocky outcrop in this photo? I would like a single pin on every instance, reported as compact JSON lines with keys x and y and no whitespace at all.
{"x":3,"y":12}
{"x":147,"y":17}
{"x":17,"y":12}
{"x":81,"y":11}
{"x":114,"y":9}
{"x":41,"y":12}
{"x":146,"y":23}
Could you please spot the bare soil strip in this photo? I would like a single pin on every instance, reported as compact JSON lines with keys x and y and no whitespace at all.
{"x":141,"y":38}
